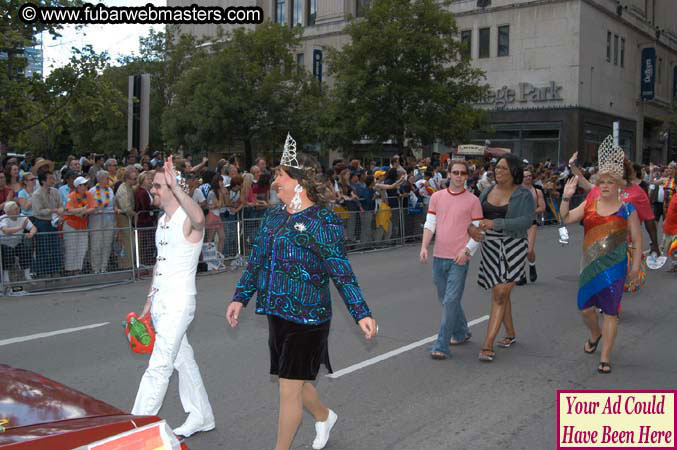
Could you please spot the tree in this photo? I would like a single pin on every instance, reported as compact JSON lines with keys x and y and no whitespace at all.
{"x":246,"y":89}
{"x":403,"y":77}
{"x":22,"y":103}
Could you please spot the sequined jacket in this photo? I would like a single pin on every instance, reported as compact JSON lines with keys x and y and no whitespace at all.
{"x":291,"y":262}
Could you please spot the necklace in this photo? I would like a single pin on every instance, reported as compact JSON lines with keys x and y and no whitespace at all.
{"x":102,"y":199}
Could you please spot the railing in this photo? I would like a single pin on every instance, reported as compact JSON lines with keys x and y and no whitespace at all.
{"x":121,"y":249}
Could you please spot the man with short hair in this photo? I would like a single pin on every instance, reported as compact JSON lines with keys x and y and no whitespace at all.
{"x":171,"y":303}
{"x":75,"y":167}
{"x":96,"y":167}
{"x":450,"y":213}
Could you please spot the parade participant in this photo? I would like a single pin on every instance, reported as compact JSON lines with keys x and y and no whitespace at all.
{"x":171,"y":303}
{"x":508,"y":210}
{"x":606,"y":221}
{"x":299,"y":247}
{"x":450,"y":212}
{"x":539,"y":201}
{"x":670,"y":233}
{"x":631,"y":193}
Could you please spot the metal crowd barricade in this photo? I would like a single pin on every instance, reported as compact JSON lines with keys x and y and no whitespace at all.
{"x":68,"y":258}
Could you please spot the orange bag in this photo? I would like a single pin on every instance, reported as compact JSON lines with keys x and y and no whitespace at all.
{"x":140,"y":333}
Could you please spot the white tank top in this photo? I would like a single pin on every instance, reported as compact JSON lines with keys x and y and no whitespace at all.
{"x":177,"y":258}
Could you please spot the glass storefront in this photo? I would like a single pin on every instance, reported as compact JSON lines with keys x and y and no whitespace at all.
{"x":535,"y":142}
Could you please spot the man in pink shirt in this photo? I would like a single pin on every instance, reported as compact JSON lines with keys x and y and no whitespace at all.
{"x":450,"y":212}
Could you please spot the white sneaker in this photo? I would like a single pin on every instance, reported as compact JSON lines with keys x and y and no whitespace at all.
{"x":322,"y":430}
{"x":27,"y":274}
{"x":189,"y":429}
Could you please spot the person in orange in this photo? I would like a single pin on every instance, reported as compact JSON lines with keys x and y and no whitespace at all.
{"x":78,"y":208}
{"x":670,"y":231}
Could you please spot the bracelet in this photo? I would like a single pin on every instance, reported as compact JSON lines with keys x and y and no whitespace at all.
{"x":566,"y":199}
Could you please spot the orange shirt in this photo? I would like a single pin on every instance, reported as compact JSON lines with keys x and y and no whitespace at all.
{"x":74,"y":202}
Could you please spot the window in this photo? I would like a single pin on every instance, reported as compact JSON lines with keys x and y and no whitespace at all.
{"x":622,"y":52}
{"x":485,"y":36}
{"x":466,"y":43}
{"x":297,"y":12}
{"x":504,"y":40}
{"x":280,"y":11}
{"x":311,"y":8}
{"x":360,"y":6}
{"x":608,"y":46}
{"x":300,"y":62}
{"x":615,"y":49}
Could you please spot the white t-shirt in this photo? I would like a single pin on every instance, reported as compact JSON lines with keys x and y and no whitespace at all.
{"x":198,"y":196}
{"x":13,"y":239}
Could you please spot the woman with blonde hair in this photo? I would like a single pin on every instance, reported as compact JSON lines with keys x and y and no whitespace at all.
{"x":607,"y":221}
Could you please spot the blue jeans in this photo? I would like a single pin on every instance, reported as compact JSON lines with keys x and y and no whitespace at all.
{"x":449,"y":279}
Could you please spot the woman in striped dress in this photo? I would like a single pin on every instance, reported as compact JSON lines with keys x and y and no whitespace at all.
{"x":508,"y":210}
{"x":606,"y":221}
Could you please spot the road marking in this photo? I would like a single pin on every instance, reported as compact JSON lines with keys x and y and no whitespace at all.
{"x":397,"y":351}
{"x":49,"y":333}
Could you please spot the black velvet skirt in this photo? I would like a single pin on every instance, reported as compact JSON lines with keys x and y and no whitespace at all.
{"x":296,"y":350}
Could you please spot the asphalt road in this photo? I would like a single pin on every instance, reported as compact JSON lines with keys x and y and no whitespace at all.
{"x":405,"y":402}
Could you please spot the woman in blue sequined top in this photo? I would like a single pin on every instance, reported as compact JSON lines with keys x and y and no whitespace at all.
{"x":299,"y":248}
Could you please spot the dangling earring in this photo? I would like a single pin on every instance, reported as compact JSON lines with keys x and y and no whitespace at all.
{"x":296,"y":200}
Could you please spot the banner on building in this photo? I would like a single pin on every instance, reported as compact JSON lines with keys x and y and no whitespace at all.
{"x":648,"y":73}
{"x":674,"y":83}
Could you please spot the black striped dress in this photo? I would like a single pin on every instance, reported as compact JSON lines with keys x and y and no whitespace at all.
{"x":502,"y":256}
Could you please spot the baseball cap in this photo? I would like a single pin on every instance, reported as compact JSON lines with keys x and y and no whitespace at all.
{"x":80,"y":180}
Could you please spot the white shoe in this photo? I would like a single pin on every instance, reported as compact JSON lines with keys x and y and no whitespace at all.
{"x":189,"y":429}
{"x":27,"y":274}
{"x":322,"y":430}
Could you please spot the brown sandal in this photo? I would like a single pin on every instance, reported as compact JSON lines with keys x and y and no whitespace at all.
{"x":486,"y":355}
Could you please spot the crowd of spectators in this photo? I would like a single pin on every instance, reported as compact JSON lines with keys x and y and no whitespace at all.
{"x":79,"y":218}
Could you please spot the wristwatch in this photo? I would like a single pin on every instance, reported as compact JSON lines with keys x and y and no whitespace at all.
{"x":467,"y":252}
{"x":566,"y":199}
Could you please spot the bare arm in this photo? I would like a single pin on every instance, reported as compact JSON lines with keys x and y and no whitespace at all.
{"x":636,"y":235}
{"x":192,"y":209}
{"x":540,"y":201}
{"x":577,"y":214}
{"x":199,"y":166}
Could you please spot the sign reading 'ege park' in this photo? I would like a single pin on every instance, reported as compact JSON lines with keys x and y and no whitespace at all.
{"x":523,"y":93}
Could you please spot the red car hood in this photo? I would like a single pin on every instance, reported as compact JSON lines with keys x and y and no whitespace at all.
{"x":27,"y":398}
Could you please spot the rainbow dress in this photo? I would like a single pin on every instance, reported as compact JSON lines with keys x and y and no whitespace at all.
{"x":605,"y":262}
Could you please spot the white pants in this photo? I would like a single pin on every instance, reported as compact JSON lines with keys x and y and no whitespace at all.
{"x":101,"y":235}
{"x":75,"y":247}
{"x":171,"y":318}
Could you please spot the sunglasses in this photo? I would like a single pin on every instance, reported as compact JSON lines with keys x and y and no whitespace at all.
{"x":459,"y":172}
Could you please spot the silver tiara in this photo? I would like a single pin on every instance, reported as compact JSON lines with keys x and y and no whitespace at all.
{"x":289,"y":154}
{"x":610,"y":158}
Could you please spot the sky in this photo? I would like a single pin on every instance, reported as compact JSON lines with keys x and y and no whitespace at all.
{"x":117,"y":40}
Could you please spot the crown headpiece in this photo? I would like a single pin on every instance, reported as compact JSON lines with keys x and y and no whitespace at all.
{"x":610,"y":158}
{"x":289,"y":154}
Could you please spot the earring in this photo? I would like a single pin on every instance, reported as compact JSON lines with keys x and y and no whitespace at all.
{"x":296,"y":200}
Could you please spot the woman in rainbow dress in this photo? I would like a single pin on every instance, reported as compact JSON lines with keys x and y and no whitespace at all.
{"x":607,"y":220}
